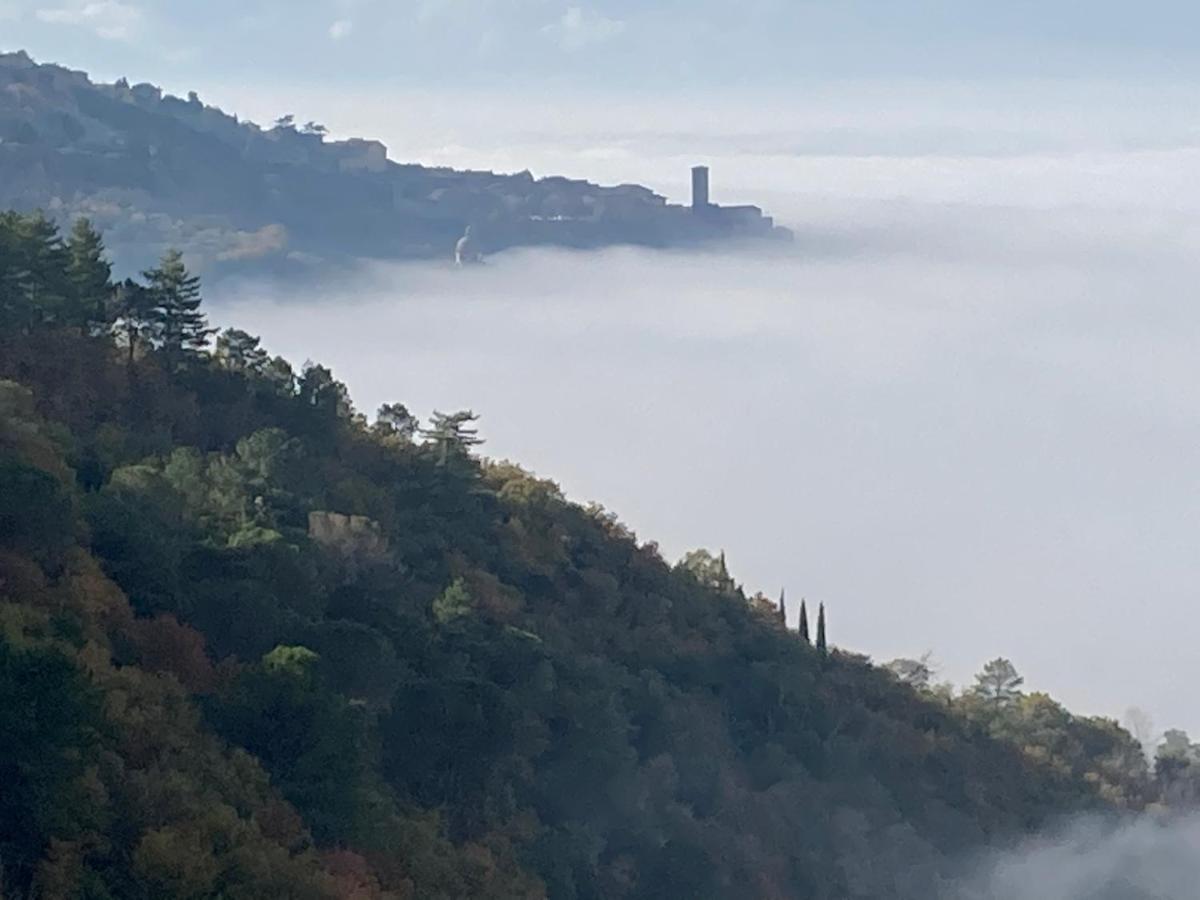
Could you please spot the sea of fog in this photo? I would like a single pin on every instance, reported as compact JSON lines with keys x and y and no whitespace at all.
{"x":961,"y":411}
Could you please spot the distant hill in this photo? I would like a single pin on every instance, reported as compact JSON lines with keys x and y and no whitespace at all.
{"x":154,"y":170}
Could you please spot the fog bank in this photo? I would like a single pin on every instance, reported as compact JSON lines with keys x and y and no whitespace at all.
{"x":1095,"y":860}
{"x":961,"y":411}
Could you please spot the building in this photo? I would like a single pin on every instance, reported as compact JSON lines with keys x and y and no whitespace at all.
{"x":729,"y":221}
{"x":700,"y":188}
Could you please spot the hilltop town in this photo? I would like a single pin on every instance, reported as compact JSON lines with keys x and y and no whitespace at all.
{"x":154,"y":170}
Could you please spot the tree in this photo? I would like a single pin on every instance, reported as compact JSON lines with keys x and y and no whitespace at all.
{"x":288,"y":121}
{"x":133,"y":317}
{"x":452,"y":433}
{"x":48,"y":723}
{"x":319,"y":389}
{"x":395,"y":419}
{"x":1139,"y":723}
{"x":916,"y":673}
{"x":821,"y":647}
{"x":181,"y":328}
{"x":711,"y":571}
{"x":278,"y":371}
{"x":804,"y":623}
{"x":33,"y":285}
{"x":89,"y":277}
{"x":999,"y":683}
{"x":783,"y":608}
{"x":453,"y":603}
{"x":315,"y":128}
{"x":1176,"y":744}
{"x":1175,"y":768}
{"x":238,"y":351}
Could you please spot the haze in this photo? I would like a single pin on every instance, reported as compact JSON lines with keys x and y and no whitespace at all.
{"x":961,"y":411}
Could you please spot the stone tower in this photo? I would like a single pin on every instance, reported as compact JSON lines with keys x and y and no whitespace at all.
{"x":699,"y":188}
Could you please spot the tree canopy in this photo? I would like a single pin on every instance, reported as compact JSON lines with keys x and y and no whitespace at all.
{"x":252,"y":646}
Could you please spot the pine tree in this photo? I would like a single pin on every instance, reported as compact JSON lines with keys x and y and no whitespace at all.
{"x":133,"y":318}
{"x":804,"y":623}
{"x":394,"y":419}
{"x":32,"y":286}
{"x":238,"y":351}
{"x":89,"y":279}
{"x":783,"y":607}
{"x":452,"y":432}
{"x":181,"y":328}
{"x":821,"y":648}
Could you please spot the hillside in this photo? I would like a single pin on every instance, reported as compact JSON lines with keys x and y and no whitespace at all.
{"x":156,"y":171}
{"x":253,"y":645}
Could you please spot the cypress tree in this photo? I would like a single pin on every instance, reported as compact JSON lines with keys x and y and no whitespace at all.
{"x":821,"y":629}
{"x":804,"y":623}
{"x":783,"y":608}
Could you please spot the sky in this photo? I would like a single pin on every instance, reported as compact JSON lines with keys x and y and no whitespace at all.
{"x":665,"y":45}
{"x":961,"y":409}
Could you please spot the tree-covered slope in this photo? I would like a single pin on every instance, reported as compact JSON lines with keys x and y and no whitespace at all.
{"x":251,"y":645}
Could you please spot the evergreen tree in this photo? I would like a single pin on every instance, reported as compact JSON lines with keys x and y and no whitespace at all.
{"x":133,"y":318}
{"x":89,"y":279}
{"x":804,"y":623}
{"x":318,"y":388}
{"x":999,"y":683}
{"x":452,"y":432}
{"x":32,"y":269}
{"x":238,"y":351}
{"x":783,"y":607}
{"x":395,"y":419}
{"x":821,"y":647}
{"x":180,"y":327}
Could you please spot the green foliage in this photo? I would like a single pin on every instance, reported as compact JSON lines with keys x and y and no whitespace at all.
{"x":292,"y":654}
{"x":180,"y":328}
{"x":394,"y":420}
{"x":452,"y":434}
{"x":33,"y":286}
{"x":999,"y":683}
{"x":238,"y":351}
{"x":36,"y":512}
{"x":453,"y":603}
{"x":292,"y":662}
{"x":710,"y":571}
{"x":49,"y":715}
{"x":89,"y":277}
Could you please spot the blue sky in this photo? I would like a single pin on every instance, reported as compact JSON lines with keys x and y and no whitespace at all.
{"x":657,"y":46}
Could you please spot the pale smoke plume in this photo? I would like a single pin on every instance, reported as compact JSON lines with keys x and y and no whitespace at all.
{"x":1140,"y":859}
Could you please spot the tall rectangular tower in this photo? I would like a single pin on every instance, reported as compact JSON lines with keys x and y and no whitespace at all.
{"x":700,"y":188}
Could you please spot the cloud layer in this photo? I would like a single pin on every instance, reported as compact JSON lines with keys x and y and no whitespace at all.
{"x":966,"y":424}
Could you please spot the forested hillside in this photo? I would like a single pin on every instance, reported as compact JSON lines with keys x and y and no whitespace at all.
{"x":253,"y":645}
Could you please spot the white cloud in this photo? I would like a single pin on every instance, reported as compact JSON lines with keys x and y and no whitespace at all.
{"x":109,"y":19}
{"x":341,"y":29}
{"x":579,"y":28}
